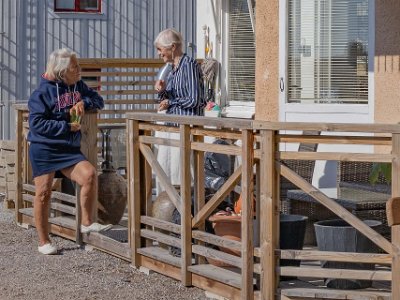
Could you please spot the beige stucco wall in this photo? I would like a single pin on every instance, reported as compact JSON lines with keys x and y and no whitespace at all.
{"x":387,"y":61}
{"x":267,"y":60}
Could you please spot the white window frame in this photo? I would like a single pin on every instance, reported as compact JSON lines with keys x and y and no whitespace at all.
{"x":226,"y":42}
{"x":284,"y":107}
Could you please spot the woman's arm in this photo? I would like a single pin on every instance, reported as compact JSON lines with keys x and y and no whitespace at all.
{"x":40,"y":118}
{"x":90,"y":98}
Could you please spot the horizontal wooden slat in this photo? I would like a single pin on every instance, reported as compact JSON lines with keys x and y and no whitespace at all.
{"x":329,"y":127}
{"x":92,"y":83}
{"x":127,"y":92}
{"x":108,"y":245}
{"x":63,"y":221}
{"x":54,"y":195}
{"x":217,"y":133}
{"x":118,"y":73}
{"x":309,"y":293}
{"x":192,"y":120}
{"x":130,"y":101}
{"x":161,"y":224}
{"x":331,"y":139}
{"x":335,"y":156}
{"x":53,"y":205}
{"x":113,"y":111}
{"x":95,"y":63}
{"x":217,"y":255}
{"x":159,"y":141}
{"x":217,"y":240}
{"x":160,"y":255}
{"x":158,"y":127}
{"x":317,"y":272}
{"x":335,"y":256}
{"x":219,"y":274}
{"x":160,"y":237}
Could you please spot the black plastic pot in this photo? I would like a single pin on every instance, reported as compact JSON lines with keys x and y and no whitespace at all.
{"x":338,"y":235}
{"x":292,"y":231}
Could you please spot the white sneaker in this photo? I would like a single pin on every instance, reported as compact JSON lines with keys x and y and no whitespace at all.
{"x":95,"y":227}
{"x":48,"y":249}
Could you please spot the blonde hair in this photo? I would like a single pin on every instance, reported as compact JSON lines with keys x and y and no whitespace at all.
{"x":167,"y":38}
{"x":58,"y":63}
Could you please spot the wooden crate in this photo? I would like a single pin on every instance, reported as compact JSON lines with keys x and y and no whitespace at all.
{"x":7,"y":172}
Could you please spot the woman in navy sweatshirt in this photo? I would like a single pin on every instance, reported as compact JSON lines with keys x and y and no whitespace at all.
{"x":55,"y":138}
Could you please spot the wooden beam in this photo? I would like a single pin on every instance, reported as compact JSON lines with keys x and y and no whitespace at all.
{"x":314,"y":255}
{"x":199,"y":190}
{"x":161,"y":224}
{"x":269,"y":227}
{"x":162,"y":177}
{"x":323,"y":293}
{"x":221,"y":256}
{"x":134,"y":180}
{"x":332,"y":139}
{"x":218,"y":197}
{"x":186,"y":204}
{"x":18,"y":165}
{"x":396,"y":228}
{"x":317,"y":272}
{"x":330,"y":127}
{"x":335,"y":156}
{"x":247,"y":214}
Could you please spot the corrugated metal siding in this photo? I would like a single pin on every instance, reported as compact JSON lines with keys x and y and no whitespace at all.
{"x":126,"y":29}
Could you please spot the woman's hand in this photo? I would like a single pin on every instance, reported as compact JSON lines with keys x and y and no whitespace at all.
{"x":75,"y":127}
{"x":163,"y":105}
{"x":160,"y":86}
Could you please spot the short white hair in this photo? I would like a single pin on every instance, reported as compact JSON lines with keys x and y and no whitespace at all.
{"x":167,"y":38}
{"x":58,"y":63}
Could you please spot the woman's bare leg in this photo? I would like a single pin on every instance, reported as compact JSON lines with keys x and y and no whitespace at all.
{"x":84,"y":174}
{"x":41,"y":204}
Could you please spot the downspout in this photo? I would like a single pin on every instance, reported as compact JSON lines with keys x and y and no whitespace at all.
{"x":2,"y":125}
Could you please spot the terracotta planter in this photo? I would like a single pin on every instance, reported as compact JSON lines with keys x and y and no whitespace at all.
{"x":228,"y":227}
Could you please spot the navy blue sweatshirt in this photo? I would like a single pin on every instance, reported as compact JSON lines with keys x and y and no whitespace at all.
{"x":49,"y":116}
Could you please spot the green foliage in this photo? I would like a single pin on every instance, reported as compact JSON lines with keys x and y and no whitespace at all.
{"x":381,"y":168}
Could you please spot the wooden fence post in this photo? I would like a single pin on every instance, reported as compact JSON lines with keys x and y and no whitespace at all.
{"x":186,"y":204}
{"x":247,"y":214}
{"x":199,"y":197}
{"x":396,"y":228}
{"x":269,"y":215}
{"x":132,"y":150}
{"x":18,"y":164}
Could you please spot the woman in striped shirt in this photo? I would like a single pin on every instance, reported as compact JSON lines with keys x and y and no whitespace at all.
{"x":183,"y":91}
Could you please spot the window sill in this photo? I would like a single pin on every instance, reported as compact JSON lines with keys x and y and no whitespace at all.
{"x":77,"y":15}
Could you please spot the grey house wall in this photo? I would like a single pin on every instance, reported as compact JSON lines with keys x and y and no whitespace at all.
{"x":30,"y":30}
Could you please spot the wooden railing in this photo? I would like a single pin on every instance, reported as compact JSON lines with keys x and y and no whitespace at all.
{"x":259,"y":151}
{"x":259,"y":172}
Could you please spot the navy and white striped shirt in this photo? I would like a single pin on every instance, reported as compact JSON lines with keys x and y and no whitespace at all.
{"x":185,"y":89}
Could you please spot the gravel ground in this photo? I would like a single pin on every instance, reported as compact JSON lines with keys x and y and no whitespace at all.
{"x":74,"y":273}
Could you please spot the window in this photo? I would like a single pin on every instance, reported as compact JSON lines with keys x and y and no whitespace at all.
{"x":89,"y":6}
{"x":242,"y":62}
{"x":328,"y":51}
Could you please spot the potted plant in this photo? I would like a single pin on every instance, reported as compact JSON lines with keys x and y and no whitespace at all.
{"x":383,"y":169}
